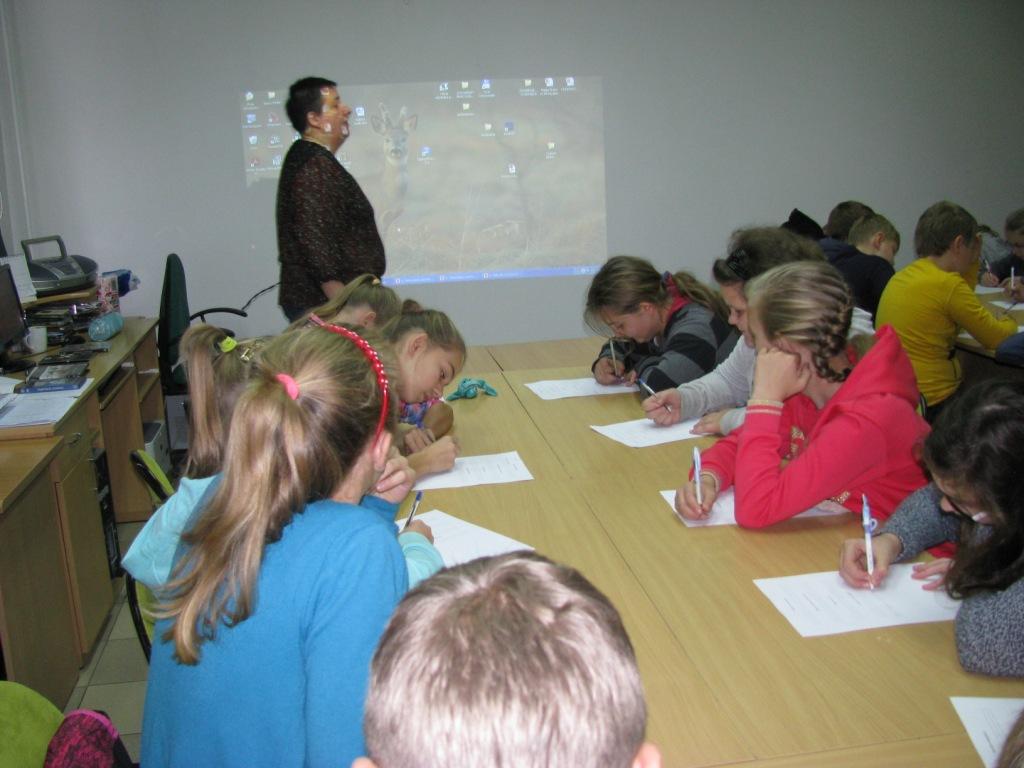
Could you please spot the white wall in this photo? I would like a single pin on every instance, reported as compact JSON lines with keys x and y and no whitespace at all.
{"x":120,"y":122}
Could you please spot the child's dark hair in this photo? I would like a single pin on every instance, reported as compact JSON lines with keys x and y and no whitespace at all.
{"x":978,"y":442}
{"x":299,"y":427}
{"x":440,"y":330}
{"x":625,"y":282}
{"x":363,"y":291}
{"x":940,"y":226}
{"x":217,"y":368}
{"x":844,"y":216}
{"x":755,"y":250}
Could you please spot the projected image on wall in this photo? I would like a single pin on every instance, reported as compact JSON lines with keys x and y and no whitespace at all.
{"x":469,"y":179}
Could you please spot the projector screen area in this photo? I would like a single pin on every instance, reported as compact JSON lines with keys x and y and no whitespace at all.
{"x":469,"y":179}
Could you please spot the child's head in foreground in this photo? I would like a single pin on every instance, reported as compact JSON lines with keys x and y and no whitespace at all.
{"x":506,"y":661}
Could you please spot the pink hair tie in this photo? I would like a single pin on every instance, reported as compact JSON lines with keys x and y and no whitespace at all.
{"x":291,"y":386}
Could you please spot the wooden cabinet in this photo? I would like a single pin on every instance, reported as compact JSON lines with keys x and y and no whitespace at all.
{"x":70,"y":552}
{"x":37,"y":620}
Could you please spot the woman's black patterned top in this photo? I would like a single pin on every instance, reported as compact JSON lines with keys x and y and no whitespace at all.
{"x":325,"y":226}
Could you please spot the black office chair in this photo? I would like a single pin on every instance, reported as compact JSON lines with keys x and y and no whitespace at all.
{"x":174,"y":320}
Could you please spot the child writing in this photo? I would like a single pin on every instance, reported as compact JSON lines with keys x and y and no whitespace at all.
{"x":502,"y":661}
{"x":429,"y":352}
{"x":824,"y":422}
{"x":675,"y":328}
{"x":217,"y":369}
{"x":974,"y":500}
{"x":363,"y":301}
{"x":291,"y":570}
{"x":717,"y":397}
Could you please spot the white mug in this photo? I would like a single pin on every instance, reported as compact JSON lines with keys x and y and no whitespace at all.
{"x":37,"y":339}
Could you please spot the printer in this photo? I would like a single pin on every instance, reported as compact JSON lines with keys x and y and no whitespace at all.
{"x":51,"y":268}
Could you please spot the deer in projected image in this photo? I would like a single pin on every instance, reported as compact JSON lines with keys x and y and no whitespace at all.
{"x":395,"y":179}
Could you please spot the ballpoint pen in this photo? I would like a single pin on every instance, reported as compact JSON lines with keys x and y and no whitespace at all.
{"x":696,"y":475}
{"x":415,"y":506}
{"x":869,"y":526}
{"x":647,"y":388}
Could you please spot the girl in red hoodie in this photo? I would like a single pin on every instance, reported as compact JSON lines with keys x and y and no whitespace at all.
{"x":827,"y":420}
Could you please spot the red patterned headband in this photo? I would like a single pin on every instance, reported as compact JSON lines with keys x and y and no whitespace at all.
{"x":371,"y":356}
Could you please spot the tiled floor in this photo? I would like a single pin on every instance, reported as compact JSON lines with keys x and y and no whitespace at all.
{"x":114,"y":678}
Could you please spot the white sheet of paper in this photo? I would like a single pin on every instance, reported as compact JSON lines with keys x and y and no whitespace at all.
{"x":42,"y":408}
{"x":723,"y":511}
{"x":7,"y":384}
{"x":987,"y":722}
{"x":983,"y":289}
{"x":823,"y":604}
{"x":643,"y":433}
{"x":460,"y":542}
{"x":555,"y":389}
{"x":478,"y":470}
{"x":1004,"y":304}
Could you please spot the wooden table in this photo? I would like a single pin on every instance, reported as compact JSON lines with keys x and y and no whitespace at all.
{"x":728,"y":680}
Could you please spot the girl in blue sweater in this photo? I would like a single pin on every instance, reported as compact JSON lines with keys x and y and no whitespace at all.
{"x":289,"y":574}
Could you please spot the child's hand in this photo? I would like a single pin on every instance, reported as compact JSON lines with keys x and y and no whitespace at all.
{"x":607,"y":372}
{"x":1016,"y":292}
{"x":656,"y":410}
{"x":686,"y":499}
{"x":853,"y":560}
{"x":417,"y":440}
{"x":418,"y":526}
{"x":933,"y":573}
{"x":989,"y":280}
{"x":396,"y":480}
{"x":710,"y":423}
{"x":439,"y":456}
{"x":778,"y":375}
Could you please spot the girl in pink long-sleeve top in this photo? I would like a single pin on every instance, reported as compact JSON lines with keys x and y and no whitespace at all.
{"x":827,"y":420}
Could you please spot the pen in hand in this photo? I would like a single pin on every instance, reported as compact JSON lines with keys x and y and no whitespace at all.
{"x":415,"y":506}
{"x":696,"y":476}
{"x":651,"y":392}
{"x":615,"y":363}
{"x":869,"y":526}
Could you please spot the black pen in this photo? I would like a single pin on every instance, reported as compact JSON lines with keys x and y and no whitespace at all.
{"x":415,"y":506}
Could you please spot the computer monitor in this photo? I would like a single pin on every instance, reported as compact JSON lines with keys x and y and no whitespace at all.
{"x":12,"y":321}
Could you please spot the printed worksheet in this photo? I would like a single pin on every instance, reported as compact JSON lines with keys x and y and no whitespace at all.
{"x":987,"y":722}
{"x":41,"y":408}
{"x":478,"y":470}
{"x":555,"y":389}
{"x":1004,"y":304}
{"x":723,"y":511}
{"x":643,"y":433}
{"x":460,"y":542}
{"x":823,"y":604}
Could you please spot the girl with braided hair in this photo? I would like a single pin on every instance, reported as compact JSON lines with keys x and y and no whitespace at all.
{"x":285,"y":581}
{"x":828,"y":419}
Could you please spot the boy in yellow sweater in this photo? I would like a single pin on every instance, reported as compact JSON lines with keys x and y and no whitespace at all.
{"x":929,"y":301}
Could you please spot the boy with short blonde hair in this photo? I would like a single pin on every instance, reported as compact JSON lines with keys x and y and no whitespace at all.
{"x":506,"y":661}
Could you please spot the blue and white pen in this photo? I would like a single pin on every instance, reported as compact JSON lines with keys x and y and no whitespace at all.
{"x":415,"y":506}
{"x":869,"y":527}
{"x":696,"y":475}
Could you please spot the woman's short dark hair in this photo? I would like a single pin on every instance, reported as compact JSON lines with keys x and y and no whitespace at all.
{"x":305,"y":96}
{"x":977,"y":444}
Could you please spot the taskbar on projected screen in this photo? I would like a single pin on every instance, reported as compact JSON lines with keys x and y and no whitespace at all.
{"x":498,"y":274}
